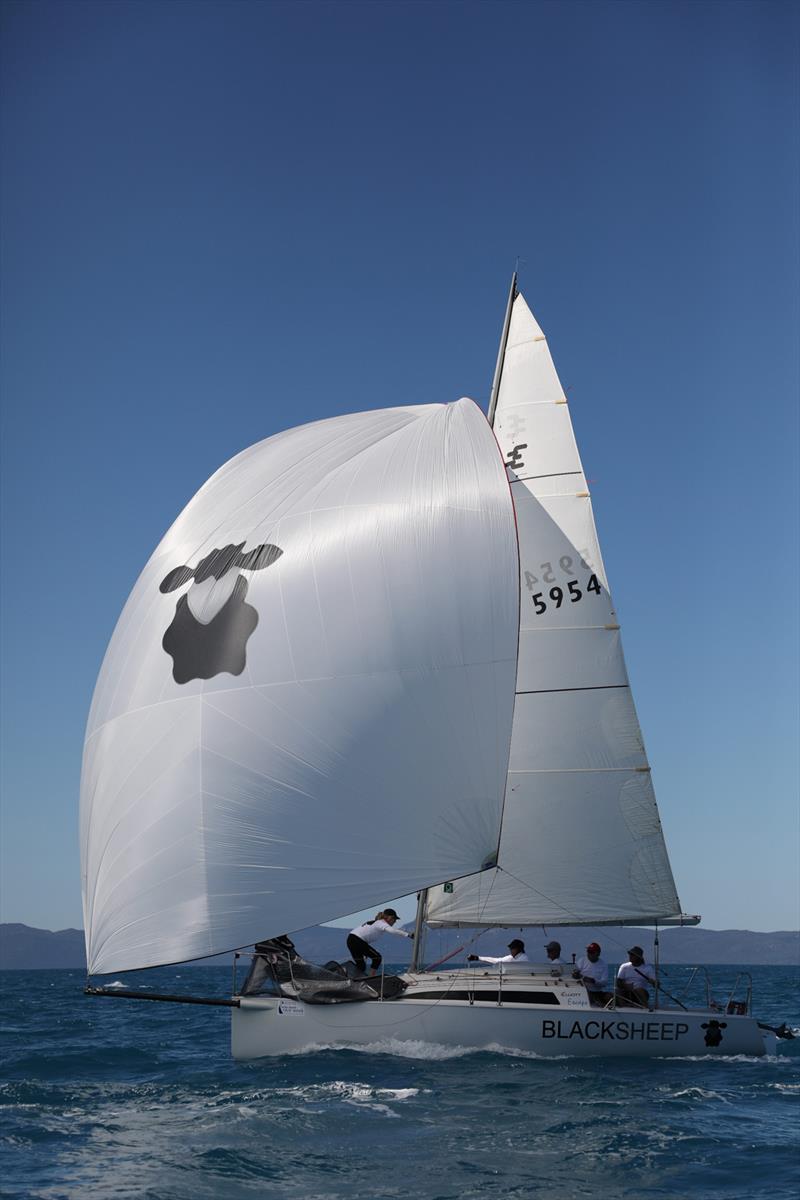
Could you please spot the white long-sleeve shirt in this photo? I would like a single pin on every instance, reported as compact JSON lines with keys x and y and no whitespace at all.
{"x":370,"y":933}
{"x":506,"y":958}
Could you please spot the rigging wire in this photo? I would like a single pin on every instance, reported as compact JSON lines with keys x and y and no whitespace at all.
{"x":544,"y":896}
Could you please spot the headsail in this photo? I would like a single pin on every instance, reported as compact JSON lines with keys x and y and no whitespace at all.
{"x":306,"y":706}
{"x":581,"y":839}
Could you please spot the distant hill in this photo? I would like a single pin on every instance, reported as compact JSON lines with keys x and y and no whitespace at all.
{"x":25,"y":948}
{"x":22,"y":946}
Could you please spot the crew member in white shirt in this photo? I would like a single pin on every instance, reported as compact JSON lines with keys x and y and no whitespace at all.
{"x":634,"y":978}
{"x":517,"y":954}
{"x":553,"y":950}
{"x":361,"y":940}
{"x":593,"y":972}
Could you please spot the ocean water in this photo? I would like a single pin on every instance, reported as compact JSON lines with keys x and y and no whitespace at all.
{"x":115,"y":1098}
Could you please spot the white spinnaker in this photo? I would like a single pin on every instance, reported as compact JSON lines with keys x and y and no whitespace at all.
{"x":361,"y":751}
{"x":581,"y":839}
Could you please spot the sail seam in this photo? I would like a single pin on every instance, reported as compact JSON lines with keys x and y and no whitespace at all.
{"x":551,"y":475}
{"x":594,"y":687}
{"x":375,"y":437}
{"x":281,"y":683}
{"x":531,"y":403}
{"x":570,"y":629}
{"x":572,"y":770}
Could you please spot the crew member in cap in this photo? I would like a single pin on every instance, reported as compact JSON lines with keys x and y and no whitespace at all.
{"x":634,"y":978}
{"x":361,"y":940}
{"x":554,"y":961}
{"x":593,"y":972}
{"x":517,"y":954}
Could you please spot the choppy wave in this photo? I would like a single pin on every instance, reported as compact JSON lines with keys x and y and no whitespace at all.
{"x":107,"y":1098}
{"x":428,"y":1051}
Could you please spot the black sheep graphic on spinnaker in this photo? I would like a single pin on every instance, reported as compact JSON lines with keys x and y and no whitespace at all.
{"x":199,"y":648}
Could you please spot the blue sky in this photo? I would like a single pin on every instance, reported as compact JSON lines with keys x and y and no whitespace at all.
{"x":222,"y":220}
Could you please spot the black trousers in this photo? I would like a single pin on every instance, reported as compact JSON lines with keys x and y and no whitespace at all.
{"x":359,"y":950}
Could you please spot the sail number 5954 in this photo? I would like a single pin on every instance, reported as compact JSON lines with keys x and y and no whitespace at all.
{"x":559,"y":595}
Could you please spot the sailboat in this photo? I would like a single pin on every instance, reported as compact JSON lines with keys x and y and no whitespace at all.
{"x":377,"y":655}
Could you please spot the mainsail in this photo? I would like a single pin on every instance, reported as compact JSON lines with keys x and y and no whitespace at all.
{"x":581,"y":839}
{"x":306,"y":706}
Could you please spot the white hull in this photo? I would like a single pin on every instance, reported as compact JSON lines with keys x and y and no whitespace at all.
{"x":264,"y":1026}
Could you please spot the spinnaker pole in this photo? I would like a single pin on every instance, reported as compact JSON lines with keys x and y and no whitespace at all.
{"x":501,"y":353}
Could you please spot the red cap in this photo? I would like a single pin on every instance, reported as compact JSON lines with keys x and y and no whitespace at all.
{"x":593,"y":946}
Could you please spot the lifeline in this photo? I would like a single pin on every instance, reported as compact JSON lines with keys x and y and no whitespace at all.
{"x":617,"y":1031}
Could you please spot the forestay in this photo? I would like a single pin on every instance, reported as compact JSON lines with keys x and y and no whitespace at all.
{"x":581,"y":839}
{"x":306,"y":706}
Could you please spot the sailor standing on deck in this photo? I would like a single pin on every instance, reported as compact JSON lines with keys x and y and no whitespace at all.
{"x":361,"y":940}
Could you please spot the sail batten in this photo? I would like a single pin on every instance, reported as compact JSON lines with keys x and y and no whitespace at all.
{"x":581,"y":841}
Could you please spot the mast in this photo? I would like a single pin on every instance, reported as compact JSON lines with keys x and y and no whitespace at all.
{"x":501,"y":353}
{"x":422,"y":896}
{"x":422,"y":904}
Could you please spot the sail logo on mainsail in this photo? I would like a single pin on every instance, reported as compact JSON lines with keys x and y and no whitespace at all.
{"x":212,"y":623}
{"x":515,"y":460}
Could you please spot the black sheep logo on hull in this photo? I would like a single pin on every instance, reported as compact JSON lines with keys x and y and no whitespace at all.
{"x":714,"y":1032}
{"x":213,"y":622}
